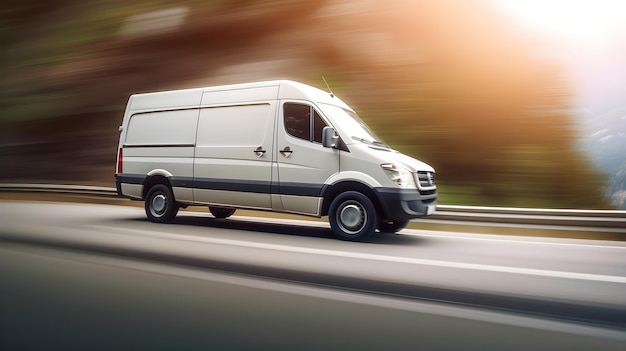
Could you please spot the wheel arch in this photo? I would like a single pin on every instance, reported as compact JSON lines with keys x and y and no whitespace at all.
{"x":152,"y":180}
{"x":350,"y":185}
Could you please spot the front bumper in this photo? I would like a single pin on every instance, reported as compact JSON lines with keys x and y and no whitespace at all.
{"x":406,"y":204}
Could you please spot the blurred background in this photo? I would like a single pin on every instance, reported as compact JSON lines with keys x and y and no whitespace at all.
{"x":515,"y":103}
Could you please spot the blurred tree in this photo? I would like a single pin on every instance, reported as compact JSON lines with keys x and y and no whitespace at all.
{"x":481,"y":106}
{"x":447,"y":81}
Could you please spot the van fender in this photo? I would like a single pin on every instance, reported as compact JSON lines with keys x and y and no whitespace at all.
{"x":353,"y":176}
{"x":155,"y":176}
{"x":348,"y":181}
{"x":159,"y":172}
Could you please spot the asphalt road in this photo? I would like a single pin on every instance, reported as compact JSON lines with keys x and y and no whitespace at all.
{"x":97,"y":276}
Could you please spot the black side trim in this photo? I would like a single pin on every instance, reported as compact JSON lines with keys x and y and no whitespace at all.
{"x":261,"y":187}
{"x":130,"y":178}
{"x":181,"y":182}
{"x":232,"y":185}
{"x":300,"y":189}
{"x":297,"y":189}
{"x":158,"y":145}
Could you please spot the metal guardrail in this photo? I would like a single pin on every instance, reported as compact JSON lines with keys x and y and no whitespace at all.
{"x":59,"y":189}
{"x":582,"y":219}
{"x":613,"y":219}
{"x":534,"y":211}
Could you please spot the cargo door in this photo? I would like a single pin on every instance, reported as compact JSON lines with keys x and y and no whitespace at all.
{"x":304,"y":164}
{"x":234,"y":153}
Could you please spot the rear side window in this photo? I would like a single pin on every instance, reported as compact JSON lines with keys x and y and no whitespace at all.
{"x":303,"y":122}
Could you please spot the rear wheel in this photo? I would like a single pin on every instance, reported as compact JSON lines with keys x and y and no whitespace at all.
{"x":221,"y":212}
{"x":160,"y":204}
{"x":352,"y":216}
{"x":392,"y":227}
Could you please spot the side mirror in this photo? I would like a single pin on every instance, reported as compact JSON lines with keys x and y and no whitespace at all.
{"x":329,"y":137}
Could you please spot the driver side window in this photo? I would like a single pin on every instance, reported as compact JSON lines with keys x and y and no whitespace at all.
{"x":303,"y":122}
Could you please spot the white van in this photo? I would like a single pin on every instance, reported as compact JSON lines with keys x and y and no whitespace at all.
{"x":278,"y":146}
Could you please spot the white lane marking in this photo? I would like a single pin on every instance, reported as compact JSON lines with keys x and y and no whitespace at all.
{"x":498,"y":238}
{"x":375,"y":257}
{"x":453,"y":311}
{"x":441,"y":234}
{"x":523,"y":226}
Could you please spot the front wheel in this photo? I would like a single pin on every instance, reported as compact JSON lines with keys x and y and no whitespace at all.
{"x":160,"y":204}
{"x":352,"y":216}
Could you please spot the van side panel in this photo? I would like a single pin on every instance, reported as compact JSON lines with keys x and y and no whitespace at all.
{"x":234,"y":155}
{"x":162,"y":128}
{"x":161,"y":143}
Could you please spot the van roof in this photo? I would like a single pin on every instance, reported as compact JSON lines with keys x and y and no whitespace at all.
{"x":265,"y":90}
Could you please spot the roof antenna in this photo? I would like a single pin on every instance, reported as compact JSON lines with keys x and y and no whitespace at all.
{"x":328,"y":86}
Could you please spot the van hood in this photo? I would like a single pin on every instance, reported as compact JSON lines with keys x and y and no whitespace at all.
{"x":392,"y":156}
{"x":413,"y":164}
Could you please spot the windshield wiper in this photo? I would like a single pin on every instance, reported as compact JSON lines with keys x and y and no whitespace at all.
{"x":363,"y":140}
{"x":370,"y":142}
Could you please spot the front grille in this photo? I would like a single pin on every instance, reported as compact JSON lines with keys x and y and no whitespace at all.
{"x":429,"y":192}
{"x":426,"y":180}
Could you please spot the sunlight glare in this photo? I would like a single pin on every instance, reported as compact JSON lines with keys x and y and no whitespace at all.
{"x":583,"y":21}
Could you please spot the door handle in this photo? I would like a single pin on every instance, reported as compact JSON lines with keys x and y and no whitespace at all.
{"x":259,"y":151}
{"x":286,"y":151}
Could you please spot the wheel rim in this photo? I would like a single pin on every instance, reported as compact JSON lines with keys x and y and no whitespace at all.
{"x":159,"y":204}
{"x":352,"y":217}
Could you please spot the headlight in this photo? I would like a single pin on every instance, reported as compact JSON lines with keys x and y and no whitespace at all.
{"x":401,"y":176}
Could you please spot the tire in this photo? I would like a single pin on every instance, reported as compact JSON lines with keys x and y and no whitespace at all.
{"x":160,"y":205}
{"x":221,"y":212}
{"x":352,"y":216}
{"x":392,"y":227}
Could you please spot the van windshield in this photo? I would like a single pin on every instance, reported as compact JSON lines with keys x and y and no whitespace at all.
{"x":351,"y":123}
